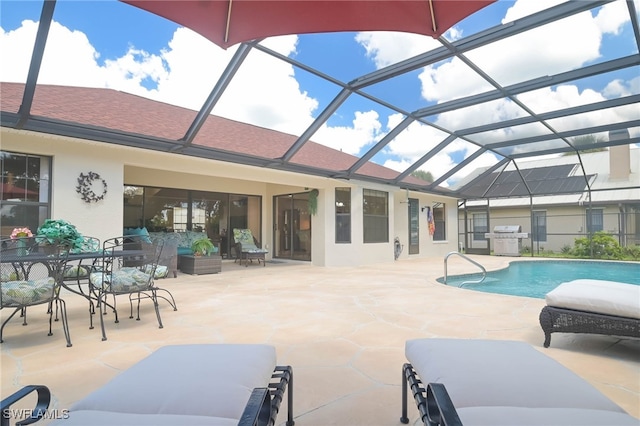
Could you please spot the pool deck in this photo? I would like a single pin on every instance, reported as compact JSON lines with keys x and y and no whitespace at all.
{"x":342,"y":329}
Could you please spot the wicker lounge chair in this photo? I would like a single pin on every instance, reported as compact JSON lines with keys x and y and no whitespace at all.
{"x":592,"y":306}
{"x":500,"y":383}
{"x":221,"y":384}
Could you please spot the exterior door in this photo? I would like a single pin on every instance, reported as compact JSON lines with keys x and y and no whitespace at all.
{"x":477,"y":223}
{"x":292,"y":227}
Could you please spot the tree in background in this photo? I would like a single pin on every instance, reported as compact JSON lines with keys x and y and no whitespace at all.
{"x":422,"y":175}
{"x":580,"y":142}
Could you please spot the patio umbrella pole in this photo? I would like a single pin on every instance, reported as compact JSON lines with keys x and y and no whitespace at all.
{"x":226,"y":31}
{"x":433,"y":17}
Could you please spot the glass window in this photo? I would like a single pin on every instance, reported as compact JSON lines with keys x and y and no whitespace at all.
{"x":166,"y":209}
{"x":539,"y":226}
{"x":343,"y":215}
{"x":414,"y":226}
{"x":24,"y":195}
{"x":375,"y":209}
{"x":440,"y":222}
{"x":594,"y":220}
{"x":480,"y":226}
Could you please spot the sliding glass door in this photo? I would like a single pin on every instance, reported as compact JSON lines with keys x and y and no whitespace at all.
{"x":176,"y":210}
{"x":292,"y":227}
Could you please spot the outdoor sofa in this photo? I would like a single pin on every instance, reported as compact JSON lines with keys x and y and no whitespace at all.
{"x":200,"y":384}
{"x":592,"y":306}
{"x":174,"y":245}
{"x":500,"y":383}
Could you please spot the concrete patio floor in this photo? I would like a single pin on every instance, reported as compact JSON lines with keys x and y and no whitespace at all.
{"x":342,"y":329}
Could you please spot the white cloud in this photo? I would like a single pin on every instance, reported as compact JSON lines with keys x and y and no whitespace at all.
{"x":612,"y":17}
{"x":366,"y":129}
{"x":69,"y":59}
{"x":386,"y":48}
{"x":618,"y":88}
{"x":265,"y":91}
{"x":13,"y":47}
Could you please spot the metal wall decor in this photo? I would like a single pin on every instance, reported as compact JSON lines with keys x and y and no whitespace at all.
{"x":86,"y":183}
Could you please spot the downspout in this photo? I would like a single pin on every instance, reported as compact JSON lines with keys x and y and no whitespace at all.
{"x":622,"y":225}
{"x":465,"y":229}
{"x":589,"y":219}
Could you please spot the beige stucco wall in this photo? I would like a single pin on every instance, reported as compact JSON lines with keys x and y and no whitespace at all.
{"x":118,"y":165}
{"x":70,"y":158}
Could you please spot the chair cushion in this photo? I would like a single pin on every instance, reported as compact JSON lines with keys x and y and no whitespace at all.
{"x":252,"y":248}
{"x":75,"y":271}
{"x":142,"y":232}
{"x":524,"y":416}
{"x":244,"y":237}
{"x":479,"y":373}
{"x":110,"y":418}
{"x":603,"y":297}
{"x":160,"y":272}
{"x":185,"y":250}
{"x":127,"y":279}
{"x":197,"y":380}
{"x":25,"y":292}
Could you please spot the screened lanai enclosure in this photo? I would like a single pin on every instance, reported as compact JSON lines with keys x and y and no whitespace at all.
{"x":530,"y":117}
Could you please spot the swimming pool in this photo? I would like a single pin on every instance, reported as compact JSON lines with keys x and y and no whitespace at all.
{"x":537,"y":278}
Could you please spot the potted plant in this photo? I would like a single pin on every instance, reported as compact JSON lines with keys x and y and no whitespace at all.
{"x":21,"y":236}
{"x":202,"y":247}
{"x":313,"y":201}
{"x":59,"y":232}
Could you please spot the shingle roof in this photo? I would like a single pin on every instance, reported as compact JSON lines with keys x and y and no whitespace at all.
{"x":115,"y":110}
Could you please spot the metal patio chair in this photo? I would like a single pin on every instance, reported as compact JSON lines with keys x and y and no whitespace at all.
{"x":29,"y":277}
{"x":128,"y":268}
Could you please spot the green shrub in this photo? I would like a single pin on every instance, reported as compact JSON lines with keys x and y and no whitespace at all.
{"x":566,"y":249}
{"x":632,"y":252}
{"x":601,"y":246}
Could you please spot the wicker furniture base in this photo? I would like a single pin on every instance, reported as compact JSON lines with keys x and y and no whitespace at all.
{"x":200,"y":265}
{"x":561,"y":320}
{"x":249,"y":256}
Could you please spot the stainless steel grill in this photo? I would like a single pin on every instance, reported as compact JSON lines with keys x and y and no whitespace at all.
{"x":507,"y":240}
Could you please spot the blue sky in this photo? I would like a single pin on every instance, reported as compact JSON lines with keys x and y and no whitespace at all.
{"x":111,"y":44}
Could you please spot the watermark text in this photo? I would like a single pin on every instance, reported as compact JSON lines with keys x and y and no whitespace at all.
{"x":26,"y":413}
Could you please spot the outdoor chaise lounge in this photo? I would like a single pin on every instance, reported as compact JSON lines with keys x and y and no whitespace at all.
{"x":247,"y":247}
{"x":221,"y":384}
{"x":592,"y":306}
{"x":499,"y":382}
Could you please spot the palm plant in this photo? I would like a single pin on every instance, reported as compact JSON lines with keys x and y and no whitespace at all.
{"x":202,"y":247}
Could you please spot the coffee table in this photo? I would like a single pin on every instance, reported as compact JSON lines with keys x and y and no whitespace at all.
{"x":199,"y":265}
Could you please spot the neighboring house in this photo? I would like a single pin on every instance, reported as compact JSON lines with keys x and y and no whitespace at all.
{"x":553,"y":222}
{"x":103,"y":187}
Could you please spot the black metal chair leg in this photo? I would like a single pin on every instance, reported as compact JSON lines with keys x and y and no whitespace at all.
{"x":5,"y":323}
{"x":403,"y":418}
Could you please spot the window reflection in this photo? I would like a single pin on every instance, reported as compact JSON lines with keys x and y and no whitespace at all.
{"x":24,"y":191}
{"x":176,"y":210}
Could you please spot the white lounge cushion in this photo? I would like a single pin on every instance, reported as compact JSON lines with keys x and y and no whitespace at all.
{"x":108,"y":418}
{"x":484,"y":373}
{"x":522,"y":416}
{"x":603,"y":297}
{"x":196,"y":380}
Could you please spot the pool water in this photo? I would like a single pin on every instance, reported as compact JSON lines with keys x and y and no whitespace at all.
{"x":537,"y":278}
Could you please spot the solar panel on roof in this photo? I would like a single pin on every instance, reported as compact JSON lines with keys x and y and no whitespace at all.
{"x":541,"y":181}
